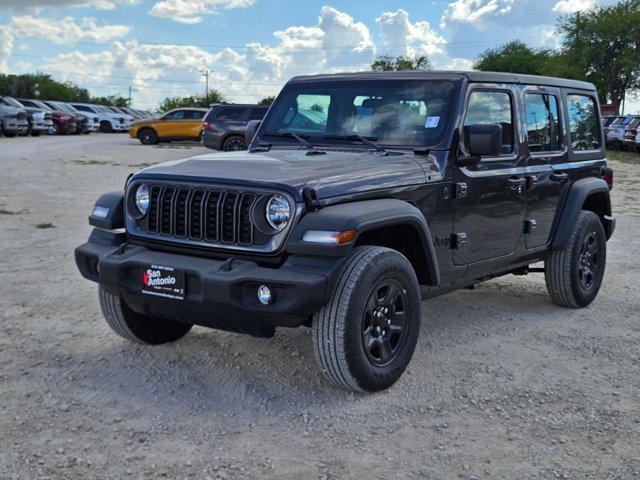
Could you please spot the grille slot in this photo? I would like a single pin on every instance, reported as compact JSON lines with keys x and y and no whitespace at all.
{"x":204,"y":215}
{"x":166,"y":207}
{"x":196,"y":206}
{"x":245,"y":226}
{"x":152,"y":222}
{"x":180,"y":229}
{"x":228,"y":217}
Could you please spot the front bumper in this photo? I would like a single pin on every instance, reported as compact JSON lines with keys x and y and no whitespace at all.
{"x":219,"y":294}
{"x":15,"y":126}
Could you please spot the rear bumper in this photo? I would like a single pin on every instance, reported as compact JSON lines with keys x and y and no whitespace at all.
{"x":217,"y":295}
{"x":212,"y":140}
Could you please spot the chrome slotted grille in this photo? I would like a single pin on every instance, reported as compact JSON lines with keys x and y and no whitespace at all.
{"x":201,"y":214}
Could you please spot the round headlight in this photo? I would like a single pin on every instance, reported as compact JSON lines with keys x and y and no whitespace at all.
{"x":278,"y":212}
{"x":142,"y":198}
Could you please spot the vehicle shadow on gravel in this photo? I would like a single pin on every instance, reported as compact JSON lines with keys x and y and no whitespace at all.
{"x":230,"y":373}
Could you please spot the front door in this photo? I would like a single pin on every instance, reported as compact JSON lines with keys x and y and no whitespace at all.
{"x":546,"y":157}
{"x":490,"y":215}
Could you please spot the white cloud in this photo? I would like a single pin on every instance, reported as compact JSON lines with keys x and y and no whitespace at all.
{"x":66,"y":31}
{"x":401,"y":37}
{"x":6,"y":47}
{"x":21,"y":5}
{"x":571,"y":6}
{"x":192,"y":11}
{"x":475,"y":11}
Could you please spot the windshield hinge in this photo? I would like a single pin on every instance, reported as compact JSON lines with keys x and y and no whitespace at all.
{"x":311,"y":201}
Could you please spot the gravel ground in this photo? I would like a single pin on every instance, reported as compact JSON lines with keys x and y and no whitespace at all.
{"x":502,"y":385}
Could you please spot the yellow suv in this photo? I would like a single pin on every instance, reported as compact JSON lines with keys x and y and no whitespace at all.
{"x":177,"y":124}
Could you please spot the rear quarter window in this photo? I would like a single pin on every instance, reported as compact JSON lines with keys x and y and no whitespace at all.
{"x":584,"y":126}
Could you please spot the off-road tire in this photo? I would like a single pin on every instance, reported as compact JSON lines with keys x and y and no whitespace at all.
{"x":105,"y":127}
{"x":148,"y":136}
{"x":136,"y":327}
{"x":337,"y":328}
{"x":233,"y":144}
{"x":562,"y":267}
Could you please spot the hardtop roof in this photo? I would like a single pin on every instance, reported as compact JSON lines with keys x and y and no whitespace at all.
{"x":475,"y":77}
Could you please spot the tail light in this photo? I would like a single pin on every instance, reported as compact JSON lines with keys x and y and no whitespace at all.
{"x":206,"y":125}
{"x":607,"y":175}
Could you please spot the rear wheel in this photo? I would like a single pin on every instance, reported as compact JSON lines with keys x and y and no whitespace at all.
{"x":35,"y":133}
{"x":574,"y":274}
{"x":148,"y":136}
{"x":136,"y":327}
{"x":233,"y":144}
{"x":365,"y":336}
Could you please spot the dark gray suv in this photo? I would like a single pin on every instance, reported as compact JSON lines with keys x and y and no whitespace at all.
{"x":224,"y":125}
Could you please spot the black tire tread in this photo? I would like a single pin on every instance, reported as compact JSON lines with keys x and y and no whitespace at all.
{"x":114,"y":315}
{"x":557,"y":272}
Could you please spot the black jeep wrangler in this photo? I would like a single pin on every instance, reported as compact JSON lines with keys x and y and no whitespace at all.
{"x":360,"y":196}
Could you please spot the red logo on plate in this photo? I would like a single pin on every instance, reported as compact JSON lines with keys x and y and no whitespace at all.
{"x":145,"y":278}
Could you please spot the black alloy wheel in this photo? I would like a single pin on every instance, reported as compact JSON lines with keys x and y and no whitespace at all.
{"x":233,"y":144}
{"x":588,"y":260}
{"x":384,"y":322}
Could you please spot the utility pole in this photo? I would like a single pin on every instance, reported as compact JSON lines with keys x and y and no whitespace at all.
{"x":131,"y":89}
{"x":205,"y":74}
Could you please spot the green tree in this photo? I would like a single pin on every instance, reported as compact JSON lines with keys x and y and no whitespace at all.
{"x":41,"y":85}
{"x":203,"y":101}
{"x":602,"y":46}
{"x":515,"y":57}
{"x":386,"y":63}
{"x":111,"y":100}
{"x":267,"y":100}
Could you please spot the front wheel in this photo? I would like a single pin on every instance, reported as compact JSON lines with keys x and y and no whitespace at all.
{"x":148,"y":136}
{"x":136,"y":327}
{"x":365,"y":336}
{"x":574,"y":274}
{"x":105,"y":127}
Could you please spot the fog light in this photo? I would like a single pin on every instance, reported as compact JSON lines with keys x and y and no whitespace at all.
{"x":264,"y":295}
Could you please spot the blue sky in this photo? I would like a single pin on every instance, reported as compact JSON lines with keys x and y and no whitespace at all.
{"x":251,"y":47}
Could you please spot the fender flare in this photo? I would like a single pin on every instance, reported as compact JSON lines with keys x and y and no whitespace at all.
{"x":577,"y":195}
{"x":363,"y":216}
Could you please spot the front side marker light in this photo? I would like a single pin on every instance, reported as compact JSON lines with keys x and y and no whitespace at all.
{"x":100,"y":212}
{"x":329,"y":237}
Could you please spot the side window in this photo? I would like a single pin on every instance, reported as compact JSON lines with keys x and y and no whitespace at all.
{"x":543,"y":126}
{"x":177,"y":115}
{"x":583,"y":123}
{"x":492,"y":107}
{"x":193,"y":115}
{"x":229,"y":114}
{"x":83,"y":108}
{"x":257,"y":114}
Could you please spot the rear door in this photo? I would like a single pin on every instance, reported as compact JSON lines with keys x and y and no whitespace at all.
{"x":489,"y":196}
{"x":546,"y":161}
{"x":193,"y":123}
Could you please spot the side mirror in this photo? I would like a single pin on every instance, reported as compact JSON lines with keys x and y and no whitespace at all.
{"x":250,"y":131}
{"x":484,"y":140}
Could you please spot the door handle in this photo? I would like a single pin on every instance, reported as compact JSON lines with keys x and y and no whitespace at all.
{"x":516,"y":184}
{"x":559,"y":177}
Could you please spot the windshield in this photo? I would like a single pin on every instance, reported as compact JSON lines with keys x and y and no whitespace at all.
{"x":391,"y":112}
{"x":62,"y":106}
{"x":12,"y":103}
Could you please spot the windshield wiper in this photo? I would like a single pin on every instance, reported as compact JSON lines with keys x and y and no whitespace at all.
{"x":312,"y":150}
{"x":367,"y":141}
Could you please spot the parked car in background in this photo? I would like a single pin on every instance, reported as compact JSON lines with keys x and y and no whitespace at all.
{"x":177,"y":124}
{"x":39,"y":119}
{"x":636,"y":146}
{"x":82,"y":120}
{"x":62,"y":122}
{"x":136,"y":114}
{"x":109,"y":121}
{"x":631,"y":130}
{"x":615,"y":121}
{"x":225,"y":124}
{"x":87,"y":122}
{"x":128,"y":118}
{"x":616,"y":130}
{"x":13,"y":119}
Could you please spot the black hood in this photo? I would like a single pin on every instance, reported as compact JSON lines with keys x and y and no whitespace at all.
{"x":334,"y":174}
